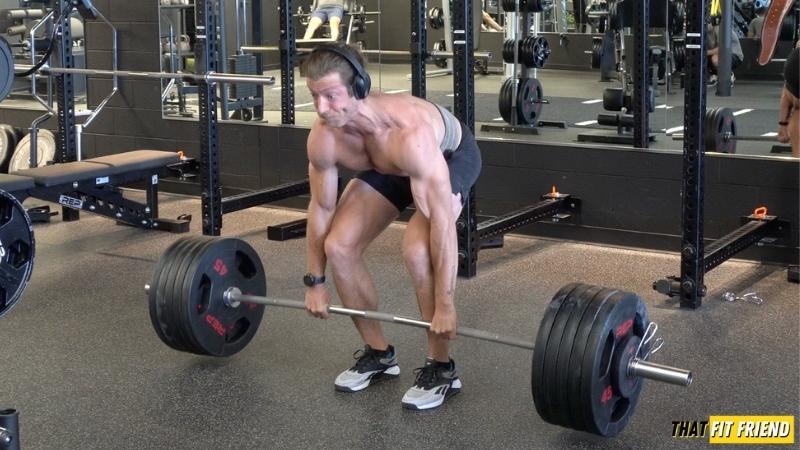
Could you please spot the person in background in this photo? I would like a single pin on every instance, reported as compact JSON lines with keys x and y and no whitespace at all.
{"x":789,"y":110}
{"x":330,"y":11}
{"x":712,"y":44}
{"x":489,"y":24}
{"x":754,"y":29}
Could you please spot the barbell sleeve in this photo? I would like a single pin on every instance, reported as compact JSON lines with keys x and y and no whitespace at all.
{"x":659,"y":372}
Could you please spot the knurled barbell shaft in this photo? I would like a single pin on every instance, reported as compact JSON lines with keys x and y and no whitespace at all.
{"x":232,"y":296}
{"x":638,"y":367}
{"x":211,"y":77}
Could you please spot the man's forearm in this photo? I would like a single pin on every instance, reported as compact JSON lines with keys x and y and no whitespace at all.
{"x":444,"y":261}
{"x":317,"y":228}
{"x":785,"y":105}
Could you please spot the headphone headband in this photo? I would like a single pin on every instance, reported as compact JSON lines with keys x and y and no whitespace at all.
{"x":361,"y":81}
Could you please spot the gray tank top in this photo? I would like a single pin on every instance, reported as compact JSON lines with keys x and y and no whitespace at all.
{"x":452,"y":130}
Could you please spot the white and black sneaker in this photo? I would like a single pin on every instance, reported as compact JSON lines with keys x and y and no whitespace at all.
{"x":371,"y":365}
{"x":435,"y":383}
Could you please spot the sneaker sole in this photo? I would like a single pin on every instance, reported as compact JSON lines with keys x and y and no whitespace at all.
{"x":391,"y":372}
{"x":450,"y":393}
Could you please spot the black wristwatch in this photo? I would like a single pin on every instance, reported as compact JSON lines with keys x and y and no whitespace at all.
{"x":312,"y":280}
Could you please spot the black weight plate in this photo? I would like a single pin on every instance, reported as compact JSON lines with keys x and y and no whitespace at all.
{"x":183,"y":301}
{"x":626,"y":384}
{"x":709,"y":130}
{"x":584,"y":328}
{"x":538,"y":388}
{"x":504,"y":99}
{"x":541,"y":52}
{"x":613,"y":99}
{"x":508,"y":51}
{"x":172,"y":275}
{"x":177,"y":258}
{"x":17,"y":251}
{"x":156,"y":291}
{"x":605,"y":411}
{"x":220,"y":330}
{"x":553,"y":412}
{"x":529,"y":101}
{"x":6,"y":69}
{"x":724,"y":129}
{"x":183,"y":260}
{"x":162,"y":313}
{"x":565,"y":415}
{"x":152,"y":295}
{"x":526,"y":51}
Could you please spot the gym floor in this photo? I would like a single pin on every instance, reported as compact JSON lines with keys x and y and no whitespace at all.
{"x":85,"y":369}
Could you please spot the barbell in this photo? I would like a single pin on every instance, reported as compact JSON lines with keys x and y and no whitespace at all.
{"x":427,"y":54}
{"x":208,"y":295}
{"x":720,"y":136}
{"x":8,"y":70}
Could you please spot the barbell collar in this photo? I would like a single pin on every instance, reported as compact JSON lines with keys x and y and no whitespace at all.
{"x":659,"y":372}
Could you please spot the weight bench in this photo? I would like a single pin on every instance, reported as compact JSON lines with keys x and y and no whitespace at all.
{"x":93,"y":185}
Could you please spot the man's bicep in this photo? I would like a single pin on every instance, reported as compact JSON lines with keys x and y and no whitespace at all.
{"x":324,"y":184}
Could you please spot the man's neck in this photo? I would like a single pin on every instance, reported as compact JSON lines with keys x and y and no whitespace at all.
{"x":367,"y":120}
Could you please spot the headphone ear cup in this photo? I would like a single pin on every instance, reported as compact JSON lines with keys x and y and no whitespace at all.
{"x":361,"y":86}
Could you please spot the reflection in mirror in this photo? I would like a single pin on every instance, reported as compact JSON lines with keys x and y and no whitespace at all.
{"x":30,"y":32}
{"x":176,"y":33}
{"x":743,"y":97}
{"x":578,"y":79}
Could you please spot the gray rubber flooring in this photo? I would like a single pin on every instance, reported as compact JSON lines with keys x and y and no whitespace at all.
{"x":86,"y":370}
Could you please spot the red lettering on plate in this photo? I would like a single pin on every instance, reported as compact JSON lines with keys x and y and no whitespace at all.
{"x":216,"y":325}
{"x":623,"y":329}
{"x":220,"y":268}
{"x":606,"y":395}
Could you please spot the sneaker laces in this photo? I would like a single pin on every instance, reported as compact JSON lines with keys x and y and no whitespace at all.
{"x":363,"y":358}
{"x":426,"y":376}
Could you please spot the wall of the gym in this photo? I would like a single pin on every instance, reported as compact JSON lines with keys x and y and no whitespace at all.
{"x":629,"y":197}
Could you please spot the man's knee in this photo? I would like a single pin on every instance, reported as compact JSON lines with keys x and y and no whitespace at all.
{"x":341,"y":250}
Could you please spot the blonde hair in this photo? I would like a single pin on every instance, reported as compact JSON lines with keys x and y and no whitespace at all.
{"x":321,"y":63}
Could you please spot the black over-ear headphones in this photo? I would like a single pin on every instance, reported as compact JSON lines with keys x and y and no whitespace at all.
{"x":361,"y":81}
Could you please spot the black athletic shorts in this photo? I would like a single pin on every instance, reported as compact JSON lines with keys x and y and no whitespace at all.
{"x":464,"y":163}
